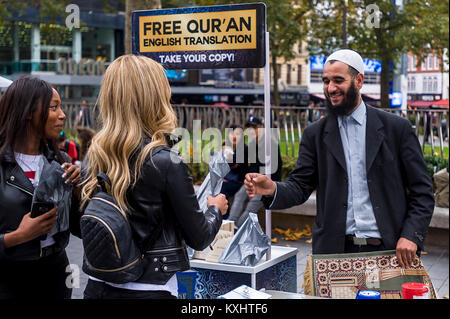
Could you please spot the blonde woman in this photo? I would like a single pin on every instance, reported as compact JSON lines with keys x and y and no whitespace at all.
{"x":148,"y":179}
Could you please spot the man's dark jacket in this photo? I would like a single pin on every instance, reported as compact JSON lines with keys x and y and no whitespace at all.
{"x":399,"y":185}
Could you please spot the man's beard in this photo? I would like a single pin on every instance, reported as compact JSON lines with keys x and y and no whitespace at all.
{"x":347,"y":105}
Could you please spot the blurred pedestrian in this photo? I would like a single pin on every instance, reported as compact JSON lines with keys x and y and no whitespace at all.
{"x":85,"y":112}
{"x":313,"y":112}
{"x":85,"y":135}
{"x":243,"y":205}
{"x":31,"y":119}
{"x":237,"y":152}
{"x":373,"y":188}
{"x":148,"y":179}
{"x":70,"y":147}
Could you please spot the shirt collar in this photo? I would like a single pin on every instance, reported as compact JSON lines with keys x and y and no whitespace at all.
{"x":358,"y":115}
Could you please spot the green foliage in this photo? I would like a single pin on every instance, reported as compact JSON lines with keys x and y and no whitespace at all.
{"x":431,"y":21}
{"x":49,"y":10}
{"x":177,"y":3}
{"x":435,"y":164}
{"x":286,"y":24}
{"x":289,"y":163}
{"x":71,"y":134}
{"x":421,"y":27}
{"x":198,"y":171}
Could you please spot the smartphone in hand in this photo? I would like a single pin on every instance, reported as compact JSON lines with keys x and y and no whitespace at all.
{"x":40,"y":208}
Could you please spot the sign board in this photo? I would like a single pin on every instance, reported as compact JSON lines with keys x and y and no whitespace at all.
{"x":213,"y":37}
{"x":370,"y":66}
{"x":396,"y":99}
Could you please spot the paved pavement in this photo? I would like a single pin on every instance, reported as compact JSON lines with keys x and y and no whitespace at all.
{"x":435,"y":259}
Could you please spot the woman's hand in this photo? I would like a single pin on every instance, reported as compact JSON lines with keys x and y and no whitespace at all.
{"x":220,"y":201}
{"x":72,"y":174}
{"x":31,"y":228}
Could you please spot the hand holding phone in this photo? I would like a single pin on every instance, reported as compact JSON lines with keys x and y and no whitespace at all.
{"x":35,"y":228}
{"x":40,"y":208}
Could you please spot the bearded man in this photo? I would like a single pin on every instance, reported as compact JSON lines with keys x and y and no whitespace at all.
{"x":372,"y":186}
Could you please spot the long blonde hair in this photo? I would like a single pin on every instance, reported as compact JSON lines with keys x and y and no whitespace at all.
{"x":134,"y":100}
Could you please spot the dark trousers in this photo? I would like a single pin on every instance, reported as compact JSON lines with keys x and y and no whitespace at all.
{"x":38,"y":279}
{"x":350,"y":247}
{"x":100,"y":290}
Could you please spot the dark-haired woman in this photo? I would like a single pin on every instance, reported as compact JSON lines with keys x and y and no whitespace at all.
{"x":32,"y":265}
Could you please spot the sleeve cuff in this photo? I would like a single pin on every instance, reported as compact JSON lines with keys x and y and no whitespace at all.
{"x":2,"y":247}
{"x":216,"y":210}
{"x":274,"y":195}
{"x":269,"y":200}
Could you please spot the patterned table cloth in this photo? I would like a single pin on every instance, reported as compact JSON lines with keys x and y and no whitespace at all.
{"x":341,"y":276}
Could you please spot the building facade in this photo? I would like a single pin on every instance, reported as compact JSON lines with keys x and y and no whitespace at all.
{"x":73,"y":59}
{"x":427,"y":78}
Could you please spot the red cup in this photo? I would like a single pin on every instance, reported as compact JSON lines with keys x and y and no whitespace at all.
{"x":414,"y":290}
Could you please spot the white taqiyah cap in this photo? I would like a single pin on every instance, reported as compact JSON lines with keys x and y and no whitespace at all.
{"x":348,"y":57}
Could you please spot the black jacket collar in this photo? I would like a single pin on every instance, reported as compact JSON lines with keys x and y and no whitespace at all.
{"x":8,"y":157}
{"x":374,"y":137}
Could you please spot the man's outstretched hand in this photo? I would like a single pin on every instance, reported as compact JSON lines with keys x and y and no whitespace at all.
{"x":258,"y":184}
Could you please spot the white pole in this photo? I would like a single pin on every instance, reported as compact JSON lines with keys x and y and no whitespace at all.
{"x":267,"y":136}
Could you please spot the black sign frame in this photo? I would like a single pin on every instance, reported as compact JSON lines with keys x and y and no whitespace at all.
{"x":208,"y":58}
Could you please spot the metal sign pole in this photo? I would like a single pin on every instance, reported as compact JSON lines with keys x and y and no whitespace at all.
{"x":267,"y":137}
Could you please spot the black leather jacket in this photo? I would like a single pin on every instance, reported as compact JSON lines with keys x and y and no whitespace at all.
{"x":166,"y":216}
{"x":16,"y":194}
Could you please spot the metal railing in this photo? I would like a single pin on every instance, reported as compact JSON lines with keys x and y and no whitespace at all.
{"x":289,"y":122}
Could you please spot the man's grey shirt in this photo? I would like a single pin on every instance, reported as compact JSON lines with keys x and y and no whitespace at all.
{"x":360,"y":220}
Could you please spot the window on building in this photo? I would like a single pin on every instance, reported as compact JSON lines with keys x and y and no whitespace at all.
{"x":436,"y":62}
{"x":435,"y":84}
{"x":425,"y":84}
{"x":411,"y":84}
{"x":257,"y":75}
{"x":316,"y":76}
{"x":414,"y":63}
{"x":430,"y":62}
{"x":423,"y":65}
{"x":288,"y":76}
{"x":299,"y":74}
{"x":371,"y":78}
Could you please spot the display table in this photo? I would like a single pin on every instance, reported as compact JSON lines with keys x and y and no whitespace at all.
{"x":289,"y":295}
{"x":278,"y":273}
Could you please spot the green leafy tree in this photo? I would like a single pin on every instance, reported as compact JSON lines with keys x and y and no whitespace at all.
{"x":286,"y":24}
{"x":130,"y":6}
{"x":379,"y":30}
{"x":430,"y":24}
{"x":177,"y":3}
{"x":49,"y":10}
